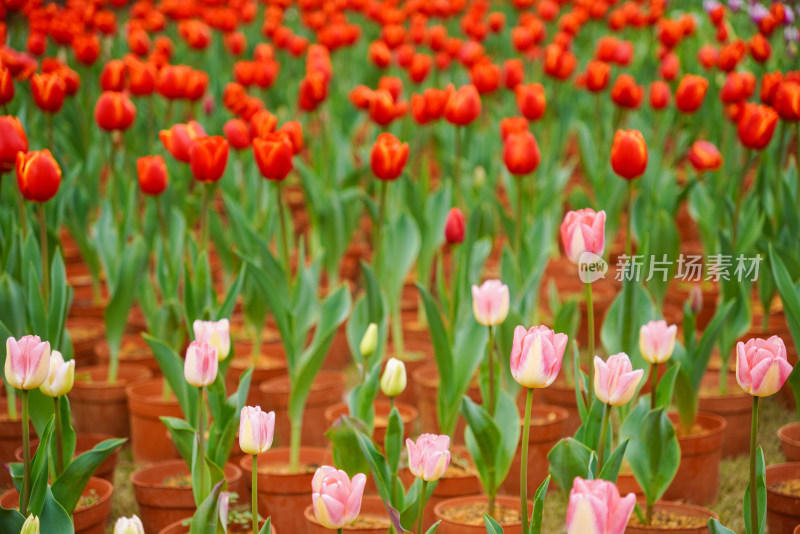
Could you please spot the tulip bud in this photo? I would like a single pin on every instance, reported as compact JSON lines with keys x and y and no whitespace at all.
{"x":583,"y":231}
{"x":61,"y":376}
{"x":388,"y":157}
{"x":38,"y":175}
{"x":629,"y":154}
{"x":756,"y":125}
{"x":336,"y":499}
{"x":393,"y":381}
{"x":704,"y":156}
{"x":208,"y":157}
{"x":695,"y":299}
{"x":151,"y":172}
{"x":478,"y":177}
{"x":454,"y":227}
{"x":27,"y":362}
{"x":201,"y":364}
{"x":536,"y":356}
{"x":273,"y":154}
{"x":762,"y":366}
{"x":690,"y":93}
{"x":657,"y":341}
{"x":615,"y":381}
{"x":490,"y":302}
{"x":596,"y":507}
{"x":369,"y":342}
{"x":129,"y":525}
{"x":31,"y":525}
{"x":216,"y":333}
{"x":429,"y":456}
{"x":521,"y":153}
{"x":256,"y":430}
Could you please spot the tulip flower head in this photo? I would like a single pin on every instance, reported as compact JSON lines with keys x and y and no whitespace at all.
{"x":208,"y":157}
{"x":256,"y":430}
{"x":596,"y":507}
{"x":201,"y":364}
{"x":369,"y":342}
{"x":129,"y":525}
{"x":178,"y":140}
{"x":27,"y":362}
{"x":521,"y":153}
{"x":536,"y":356}
{"x":761,"y":366}
{"x":273,"y":154}
{"x":216,"y":333}
{"x":756,"y":125}
{"x":583,"y":231}
{"x":12,"y":141}
{"x":388,"y":157}
{"x":704,"y":156}
{"x":151,"y":172}
{"x":464,"y":106}
{"x":657,"y":341}
{"x":38,"y":175}
{"x":490,"y":302}
{"x":454,"y":227}
{"x":394,"y":379}
{"x":629,"y":154}
{"x":336,"y":499}
{"x":429,"y":456}
{"x":31,"y":526}
{"x":61,"y":376}
{"x":615,"y":381}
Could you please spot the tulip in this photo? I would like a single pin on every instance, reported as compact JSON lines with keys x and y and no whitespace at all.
{"x":770,"y":83}
{"x":38,"y":175}
{"x":596,"y":507}
{"x":704,"y":156}
{"x":273,"y":154}
{"x":738,"y":86}
{"x":429,"y":456}
{"x":513,"y":73}
{"x":762,"y":366}
{"x":201,"y":364}
{"x":171,"y":81}
{"x":60,"y":377}
{"x":129,"y":525}
{"x":388,"y":157}
{"x":369,"y":342}
{"x":625,"y":93}
{"x":49,"y":90}
{"x":756,"y":125}
{"x":598,"y":74}
{"x":294,"y":131}
{"x":215,"y":333}
{"x":86,"y":48}
{"x":485,"y":76}
{"x":536,"y":356}
{"x":787,"y":101}
{"x":531,"y":100}
{"x":12,"y":141}
{"x":690,"y":93}
{"x":659,"y":94}
{"x":512,"y":125}
{"x":464,"y":106}
{"x":615,"y":381}
{"x":256,"y":430}
{"x":583,"y":231}
{"x":179,"y":138}
{"x":31,"y":526}
{"x":6,"y":86}
{"x":336,"y":499}
{"x":112,"y":77}
{"x":114,"y":111}
{"x":393,"y":381}
{"x":657,"y":341}
{"x":490,"y":302}
{"x":208,"y":157}
{"x":521,"y":153}
{"x":629,"y":154}
{"x":152,"y":174}
{"x":454,"y":227}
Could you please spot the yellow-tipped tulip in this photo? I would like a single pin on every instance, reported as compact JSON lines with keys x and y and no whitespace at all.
{"x":394,"y":379}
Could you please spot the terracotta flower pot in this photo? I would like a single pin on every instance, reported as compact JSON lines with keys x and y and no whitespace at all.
{"x":328,"y":388}
{"x":449,"y":526}
{"x":454,"y":483}
{"x":547,"y":427}
{"x":85,"y":333}
{"x":797,"y":529}
{"x":267,"y":368}
{"x":689,"y":510}
{"x":562,"y":395}
{"x":161,"y":504}
{"x":408,"y":414}
{"x":790,"y":441}
{"x":783,"y":509}
{"x":90,"y":519}
{"x":10,"y":439}
{"x":102,"y":408}
{"x":83,"y":443}
{"x":133,"y":350}
{"x":735,"y":407}
{"x":626,"y":483}
{"x":338,"y":357}
{"x":182,"y":527}
{"x":697,"y":479}
{"x":150,"y":439}
{"x":425,"y":385}
{"x":371,"y":508}
{"x":283,"y":495}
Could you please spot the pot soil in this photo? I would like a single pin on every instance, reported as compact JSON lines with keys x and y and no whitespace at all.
{"x":460,"y":480}
{"x":267,"y":368}
{"x":425,"y":387}
{"x":85,"y":333}
{"x":133,"y":350}
{"x":150,"y":439}
{"x":697,"y":479}
{"x":283,"y":495}
{"x":783,"y":497}
{"x":673,"y":517}
{"x":162,"y":495}
{"x":464,"y":515}
{"x":90,"y":518}
{"x":183,"y":526}
{"x":547,"y":427}
{"x":102,"y":408}
{"x":83,"y":443}
{"x":790,"y":441}
{"x":10,"y":439}
{"x":408,"y":414}
{"x":328,"y":388}
{"x":735,"y":406}
{"x":372,"y":519}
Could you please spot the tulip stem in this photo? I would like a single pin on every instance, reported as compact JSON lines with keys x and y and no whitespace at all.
{"x":490,"y":360}
{"x":740,"y":192}
{"x":523,"y":469}
{"x":45,"y":256}
{"x":629,"y":222}
{"x":254,"y":494}
{"x":284,"y":232}
{"x":601,"y":448}
{"x":294,"y":446}
{"x":778,"y":178}
{"x":58,"y":437}
{"x":753,"y":490}
{"x":378,"y":227}
{"x":201,"y":444}
{"x":23,"y":217}
{"x":26,"y":455}
{"x":340,"y":530}
{"x":590,"y":324}
{"x":654,"y":378}
{"x":397,"y":335}
{"x":457,"y":168}
{"x":520,"y":207}
{"x":797,"y":156}
{"x":421,"y":511}
{"x":204,"y":217}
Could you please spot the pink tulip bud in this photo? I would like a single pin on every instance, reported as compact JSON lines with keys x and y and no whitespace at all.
{"x":337,"y":500}
{"x":583,"y":231}
{"x":536,"y":356}
{"x":27,"y":362}
{"x":429,"y":457}
{"x":454,"y":226}
{"x":200,"y":366}
{"x":761,"y":366}
{"x":256,"y":430}
{"x":217,"y":333}
{"x":657,"y":341}
{"x":615,"y":381}
{"x":595,"y":507}
{"x":60,"y":377}
{"x":695,"y":299}
{"x":490,"y":302}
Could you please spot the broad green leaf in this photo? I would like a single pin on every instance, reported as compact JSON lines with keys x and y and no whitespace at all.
{"x":569,"y":458}
{"x":69,"y":486}
{"x":761,"y":497}
{"x":538,"y":507}
{"x":492,"y":526}
{"x":718,"y":528}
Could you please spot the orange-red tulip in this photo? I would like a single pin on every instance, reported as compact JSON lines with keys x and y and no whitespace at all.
{"x":690,"y":93}
{"x":141,"y":77}
{"x":235,"y":43}
{"x":379,"y":54}
{"x":531,"y":100}
{"x":513,"y":73}
{"x":152,"y":174}
{"x":196,"y":85}
{"x":172,"y":80}
{"x":86,"y":48}
{"x":294,"y":131}
{"x":112,"y":78}
{"x":485,"y":76}
{"x":770,"y":82}
{"x":704,"y":156}
{"x":178,"y":139}
{"x":707,"y":56}
{"x":756,"y":125}
{"x":237,"y":132}
{"x":382,"y":107}
{"x":738,"y":86}
{"x":787,"y":100}
{"x":420,"y":67}
{"x":669,"y":67}
{"x":660,"y":94}
{"x":760,"y":48}
{"x":138,"y":41}
{"x":629,"y":154}
{"x":6,"y":86}
{"x":463,"y":106}
{"x":49,"y":91}
{"x":313,"y":91}
{"x":388,"y":157}
{"x":38,"y":175}
{"x":559,"y":62}
{"x":273,"y":155}
{"x":262,"y":123}
{"x":12,"y":141}
{"x":512,"y":125}
{"x":521,"y":153}
{"x":208,"y":157}
{"x":114,"y":111}
{"x":625,"y":93}
{"x":598,"y":74}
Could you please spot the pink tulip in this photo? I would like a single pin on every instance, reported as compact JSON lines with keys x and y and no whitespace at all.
{"x":429,"y":457}
{"x":256,"y":430}
{"x":615,"y":381}
{"x":454,"y":227}
{"x":761,"y":366}
{"x":596,"y":507}
{"x":217,"y":333}
{"x":657,"y":341}
{"x":337,"y":500}
{"x":583,"y":231}
{"x":490,"y":302}
{"x":200,"y":366}
{"x":27,"y":362}
{"x":536,"y":356}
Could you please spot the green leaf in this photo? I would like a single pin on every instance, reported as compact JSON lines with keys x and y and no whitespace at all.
{"x":182,"y":434}
{"x":610,"y":470}
{"x":266,"y":528}
{"x":666,"y":386}
{"x":132,"y":265}
{"x":435,"y":527}
{"x":172,"y":366}
{"x":11,"y":520}
{"x":717,"y":528}
{"x":790,"y":296}
{"x":761,"y":493}
{"x":492,"y":526}
{"x":39,"y":471}
{"x":53,"y":518}
{"x":69,"y":486}
{"x":206,"y":517}
{"x":538,"y":507}
{"x":569,"y":458}
{"x":376,"y":461}
{"x":393,"y":442}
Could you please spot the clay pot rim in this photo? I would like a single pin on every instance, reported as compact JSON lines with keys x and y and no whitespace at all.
{"x":246,"y":466}
{"x":506,"y":500}
{"x":141,"y":372}
{"x":168,"y":466}
{"x":180,"y":522}
{"x":408,"y":413}
{"x":428,"y":375}
{"x":372,"y":500}
{"x":782,"y":434}
{"x":105,"y":486}
{"x":562,"y":415}
{"x":324,"y":380}
{"x":91,"y":435}
{"x":133,"y":393}
{"x":721,"y":425}
{"x":677,"y":505}
{"x":241,"y":363}
{"x":772,"y":469}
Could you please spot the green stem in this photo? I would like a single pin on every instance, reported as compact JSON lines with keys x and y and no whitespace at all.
{"x":490,"y":361}
{"x":284,"y":232}
{"x":45,"y":254}
{"x":753,"y":492}
{"x":797,"y":156}
{"x":457,"y":168}
{"x":601,"y":448}
{"x":254,"y":493}
{"x":590,"y":324}
{"x":204,"y":217}
{"x":294,"y":446}
{"x":519,"y":224}
{"x":162,"y":224}
{"x":378,"y":230}
{"x":654,"y":378}
{"x":256,"y":352}
{"x":201,"y":445}
{"x":26,"y":454}
{"x":397,"y":335}
{"x":50,"y":143}
{"x":778,"y":172}
{"x":341,"y":531}
{"x":739,"y":192}
{"x":523,"y":470}
{"x":649,"y":514}
{"x":422,"y":493}
{"x":23,"y":216}
{"x":629,"y":221}
{"x":11,"y":393}
{"x":58,"y":437}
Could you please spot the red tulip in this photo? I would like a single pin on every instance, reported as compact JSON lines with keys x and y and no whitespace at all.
{"x":659,"y":94}
{"x":114,"y":111}
{"x":38,"y":175}
{"x":86,"y":48}
{"x":513,"y":73}
{"x":512,"y":125}
{"x":152,"y":174}
{"x":760,"y":48}
{"x":756,"y":125}
{"x":531,"y":100}
{"x":112,"y":78}
{"x":49,"y":91}
{"x":598,"y":74}
{"x":558,"y":62}
{"x":690,"y":93}
{"x":172,"y":80}
{"x":464,"y":106}
{"x":738,"y":86}
{"x":262,"y":123}
{"x":237,"y":132}
{"x":6,"y":86}
{"x":388,"y":157}
{"x":485,"y":76}
{"x":455,"y":226}
{"x":273,"y":155}
{"x":521,"y":153}
{"x":179,"y":139}
{"x":629,"y":154}
{"x":770,"y":82}
{"x":420,"y":67}
{"x":625,"y":93}
{"x":208,"y":157}
{"x":12,"y":141}
{"x":141,"y":77}
{"x":294,"y":131}
{"x":787,"y":100}
{"x":704,"y":156}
